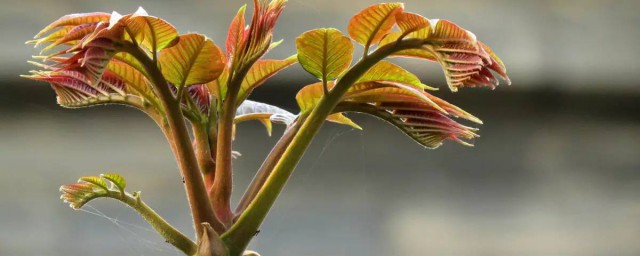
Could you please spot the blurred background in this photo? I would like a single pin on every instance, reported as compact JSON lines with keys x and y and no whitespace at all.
{"x":556,"y":171}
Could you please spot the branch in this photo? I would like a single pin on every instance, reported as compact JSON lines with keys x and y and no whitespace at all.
{"x":220,"y":193}
{"x":178,"y":138}
{"x":239,"y":235}
{"x":90,"y":188}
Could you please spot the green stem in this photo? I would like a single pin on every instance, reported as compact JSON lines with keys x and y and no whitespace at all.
{"x":180,"y":142}
{"x":168,"y":232}
{"x":239,"y":235}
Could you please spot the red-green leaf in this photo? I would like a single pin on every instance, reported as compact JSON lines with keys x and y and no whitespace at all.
{"x":411,"y":22}
{"x":370,"y":25}
{"x":465,"y":61}
{"x":153,"y":33}
{"x":325,"y":52}
{"x":92,"y":187}
{"x":193,"y":60}
{"x":235,"y":36}
{"x":420,"y":122}
{"x":76,"y":19}
{"x":136,"y":82}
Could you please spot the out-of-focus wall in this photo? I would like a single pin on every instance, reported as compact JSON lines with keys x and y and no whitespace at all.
{"x":574,"y":44}
{"x":556,"y":171}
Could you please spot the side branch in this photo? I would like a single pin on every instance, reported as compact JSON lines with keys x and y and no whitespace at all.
{"x":239,"y":235}
{"x":168,"y":232}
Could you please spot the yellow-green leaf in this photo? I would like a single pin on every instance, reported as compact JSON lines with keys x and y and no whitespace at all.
{"x":117,"y":180}
{"x":340,"y":118}
{"x":310,"y":95}
{"x":260,"y":72}
{"x":389,"y":73}
{"x":324,"y":52}
{"x":136,"y":82}
{"x":370,"y":25}
{"x":195,"y":59}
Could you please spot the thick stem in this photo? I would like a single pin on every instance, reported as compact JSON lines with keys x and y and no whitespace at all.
{"x":168,"y":232}
{"x":220,"y":193}
{"x":240,"y":234}
{"x":180,"y":141}
{"x":267,"y":166}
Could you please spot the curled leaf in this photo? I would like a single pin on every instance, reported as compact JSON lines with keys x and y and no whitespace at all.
{"x":75,"y":20}
{"x":465,"y":61}
{"x":92,"y":187}
{"x":265,"y":113}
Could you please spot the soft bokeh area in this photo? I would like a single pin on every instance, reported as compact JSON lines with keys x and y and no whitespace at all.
{"x":556,"y":171}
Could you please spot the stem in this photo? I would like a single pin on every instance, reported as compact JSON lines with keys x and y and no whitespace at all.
{"x":178,"y":137}
{"x":220,"y":193}
{"x":203,"y":152}
{"x":168,"y":232}
{"x":267,"y":166}
{"x":239,"y":235}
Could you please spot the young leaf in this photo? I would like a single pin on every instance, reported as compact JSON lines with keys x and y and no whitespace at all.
{"x":136,"y":82}
{"x":370,"y":25}
{"x":117,"y":180}
{"x":235,"y":36}
{"x":193,"y":60}
{"x":389,"y":73}
{"x":74,"y":89}
{"x":153,"y":33}
{"x":92,"y":187}
{"x":265,"y":113}
{"x":420,"y":122}
{"x":311,"y":94}
{"x":411,"y":22}
{"x":324,"y":52}
{"x":465,"y":61}
{"x":71,"y":34}
{"x":340,"y":118}
{"x":76,"y":19}
{"x":260,"y":72}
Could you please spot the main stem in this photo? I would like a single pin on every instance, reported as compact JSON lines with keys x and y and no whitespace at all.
{"x":240,"y":234}
{"x":180,"y":141}
{"x":220,"y":193}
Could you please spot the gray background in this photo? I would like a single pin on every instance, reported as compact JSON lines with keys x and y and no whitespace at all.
{"x":556,"y":171}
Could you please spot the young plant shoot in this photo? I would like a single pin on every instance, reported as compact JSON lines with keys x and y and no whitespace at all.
{"x":186,"y":81}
